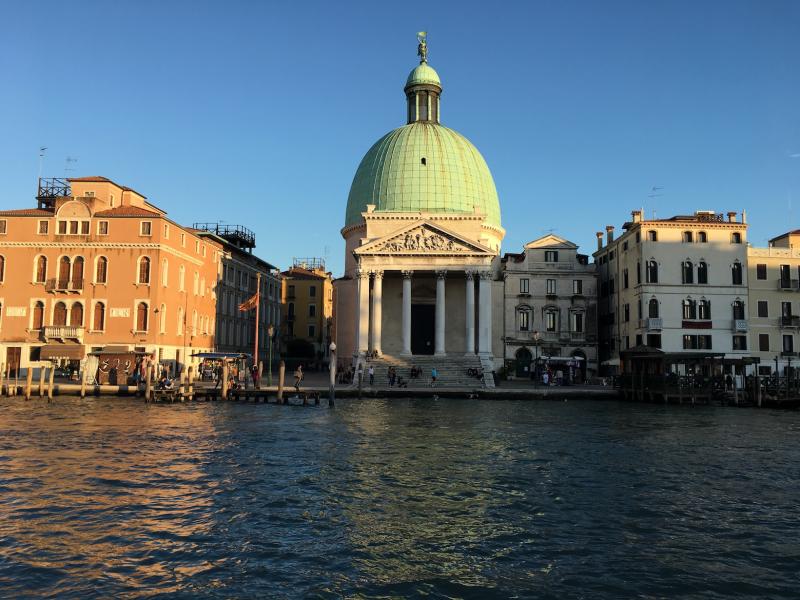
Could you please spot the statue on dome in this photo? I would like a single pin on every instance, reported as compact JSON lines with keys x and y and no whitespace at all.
{"x":422,"y":49}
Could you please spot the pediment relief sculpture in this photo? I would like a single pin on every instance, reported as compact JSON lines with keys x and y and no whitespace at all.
{"x":422,"y":240}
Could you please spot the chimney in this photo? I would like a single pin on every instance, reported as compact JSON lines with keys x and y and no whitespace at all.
{"x":732,"y":216}
{"x":599,"y":240}
{"x":744,"y":216}
{"x":636,"y":216}
{"x":609,"y":233}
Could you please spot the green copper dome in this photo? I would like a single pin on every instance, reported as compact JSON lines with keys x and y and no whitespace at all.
{"x":423,"y":167}
{"x":423,"y":74}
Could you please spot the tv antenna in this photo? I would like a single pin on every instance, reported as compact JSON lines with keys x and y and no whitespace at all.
{"x":42,"y":151}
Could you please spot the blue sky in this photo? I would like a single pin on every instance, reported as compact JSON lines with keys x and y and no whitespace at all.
{"x":258,"y":113}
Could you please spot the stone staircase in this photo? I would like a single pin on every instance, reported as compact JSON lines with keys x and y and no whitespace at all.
{"x":451,"y":369}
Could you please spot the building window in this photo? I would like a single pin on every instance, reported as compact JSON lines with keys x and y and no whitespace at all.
{"x":3,"y":226}
{"x":652,"y":236}
{"x":763,"y":342}
{"x":60,"y":314}
{"x":164,"y":272}
{"x":77,"y":273}
{"x":577,"y":322}
{"x":788,"y":343}
{"x":196,"y":283}
{"x":638,"y":273}
{"x":145,"y":228}
{"x":736,"y":273}
{"x":166,"y":231}
{"x":697,"y":342}
{"x":551,"y":255}
{"x":181,"y":278}
{"x":687,"y":237}
{"x":702,"y":272}
{"x":689,"y":309}
{"x":786,"y":276}
{"x":687,"y":269}
{"x":312,"y":310}
{"x":654,"y":340}
{"x":738,"y":310}
{"x":551,"y":320}
{"x":524,"y":286}
{"x":101,"y":270}
{"x":162,"y":319}
{"x":102,"y":228}
{"x":62,"y":228}
{"x":180,"y":320}
{"x":44,"y":227}
{"x":626,"y":312}
{"x":183,"y":240}
{"x":740,"y":342}
{"x":63,"y":272}
{"x":38,"y":315}
{"x":786,"y":309}
{"x":141,"y":317}
{"x":524,"y":319}
{"x":638,"y":236}
{"x":652,"y":271}
{"x":625,"y":279}
{"x":144,"y":270}
{"x":761,"y":271}
{"x":551,"y":287}
{"x":2,"y":268}
{"x":99,"y":316}
{"x":312,"y":331}
{"x":704,"y":310}
{"x":652,"y":308}
{"x":625,"y":246}
{"x":736,"y":238}
{"x":702,"y":237}
{"x":763,"y":308}
{"x":76,"y":315}
{"x":41,"y":269}
{"x":577,"y":287}
{"x":290,"y":310}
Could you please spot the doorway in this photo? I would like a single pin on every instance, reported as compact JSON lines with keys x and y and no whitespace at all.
{"x":13,"y":355}
{"x":523,"y":360}
{"x":423,"y":320}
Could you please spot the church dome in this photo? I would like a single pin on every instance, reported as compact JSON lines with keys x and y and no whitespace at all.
{"x":423,"y":166}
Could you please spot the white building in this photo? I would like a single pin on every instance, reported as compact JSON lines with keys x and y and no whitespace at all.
{"x":678,"y":284}
{"x":550,"y":305}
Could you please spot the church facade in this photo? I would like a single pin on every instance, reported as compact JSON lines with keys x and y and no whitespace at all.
{"x":422,"y":242}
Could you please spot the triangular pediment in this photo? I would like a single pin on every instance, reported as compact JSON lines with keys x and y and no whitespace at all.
{"x":551,"y":241}
{"x":424,"y":238}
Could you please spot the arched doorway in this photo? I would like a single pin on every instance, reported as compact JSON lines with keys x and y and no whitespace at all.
{"x":579,"y":370}
{"x":523,"y":359}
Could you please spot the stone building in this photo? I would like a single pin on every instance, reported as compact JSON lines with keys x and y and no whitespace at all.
{"x":677,"y":284}
{"x":96,"y":266}
{"x":422,"y":239}
{"x":550,"y":305}
{"x":308,"y":304}
{"x":241,"y":270}
{"x":774,"y":308}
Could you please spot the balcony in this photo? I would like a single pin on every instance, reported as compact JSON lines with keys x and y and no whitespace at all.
{"x":790,"y":321}
{"x":64,"y":285}
{"x":789,"y":284}
{"x":739,"y":325}
{"x":651,"y":324}
{"x":62,"y":333}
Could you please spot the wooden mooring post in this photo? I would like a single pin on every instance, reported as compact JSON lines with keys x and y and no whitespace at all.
{"x":50,"y":386}
{"x":190,"y":392}
{"x":41,"y":381}
{"x":148,"y":384}
{"x":28,"y":382}
{"x":225,"y":381}
{"x":2,"y":374}
{"x":83,"y":383}
{"x":281,"y":376}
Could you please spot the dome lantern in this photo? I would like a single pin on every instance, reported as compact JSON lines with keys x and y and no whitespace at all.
{"x":423,"y":88}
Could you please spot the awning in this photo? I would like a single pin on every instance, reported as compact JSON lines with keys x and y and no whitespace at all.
{"x":220,"y":355}
{"x":68,"y":351}
{"x":611,"y":362}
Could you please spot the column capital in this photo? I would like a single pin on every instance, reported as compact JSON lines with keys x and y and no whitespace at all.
{"x":470,"y":274}
{"x":378,"y":274}
{"x":441,"y":274}
{"x":485,"y":275}
{"x":362,"y":274}
{"x":407,"y":274}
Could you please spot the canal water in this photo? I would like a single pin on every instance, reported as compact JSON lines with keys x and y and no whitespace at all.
{"x":396,"y":499}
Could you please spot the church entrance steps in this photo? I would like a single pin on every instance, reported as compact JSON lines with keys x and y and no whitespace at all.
{"x":451,"y":370}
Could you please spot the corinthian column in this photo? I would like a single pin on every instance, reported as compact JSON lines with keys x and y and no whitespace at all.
{"x":407,"y":312}
{"x":485,"y":316}
{"x":469,"y":339}
{"x":440,"y":313}
{"x":362,"y":312}
{"x":377,"y":310}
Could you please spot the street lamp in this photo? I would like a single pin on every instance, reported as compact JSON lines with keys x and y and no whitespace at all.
{"x":270,"y":331}
{"x":536,"y":359}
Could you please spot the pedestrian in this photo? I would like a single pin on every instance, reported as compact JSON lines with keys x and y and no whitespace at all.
{"x":298,"y":377}
{"x":434,"y":375}
{"x":371,"y":375}
{"x":256,"y":382}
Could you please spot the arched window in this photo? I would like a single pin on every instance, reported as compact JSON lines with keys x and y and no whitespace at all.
{"x":551,"y":319}
{"x":181,"y":278}
{"x":99,"y":316}
{"x":101,"y":270}
{"x":76,"y":315}
{"x":652,"y":236}
{"x":702,"y":272}
{"x":77,"y":273}
{"x":41,"y":269}
{"x":60,"y":314}
{"x":736,"y":238}
{"x":687,"y":237}
{"x":638,"y":273}
{"x":702,"y":237}
{"x":38,"y":315}
{"x":524,"y":318}
{"x":164,"y":272}
{"x":687,"y":270}
{"x":194,"y":322}
{"x":180,"y":319}
{"x":652,"y":271}
{"x":652,"y":308}
{"x":162,"y":319}
{"x":738,"y":310}
{"x":736,"y":273}
{"x":141,"y":317}
{"x":203,"y":286}
{"x":689,"y":309}
{"x":196,"y":283}
{"x":63,"y":272}
{"x":704,"y":309}
{"x":144,"y":271}
{"x":2,"y":268}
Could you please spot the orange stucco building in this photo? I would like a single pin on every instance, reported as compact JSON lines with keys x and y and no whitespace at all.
{"x":97,"y":267}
